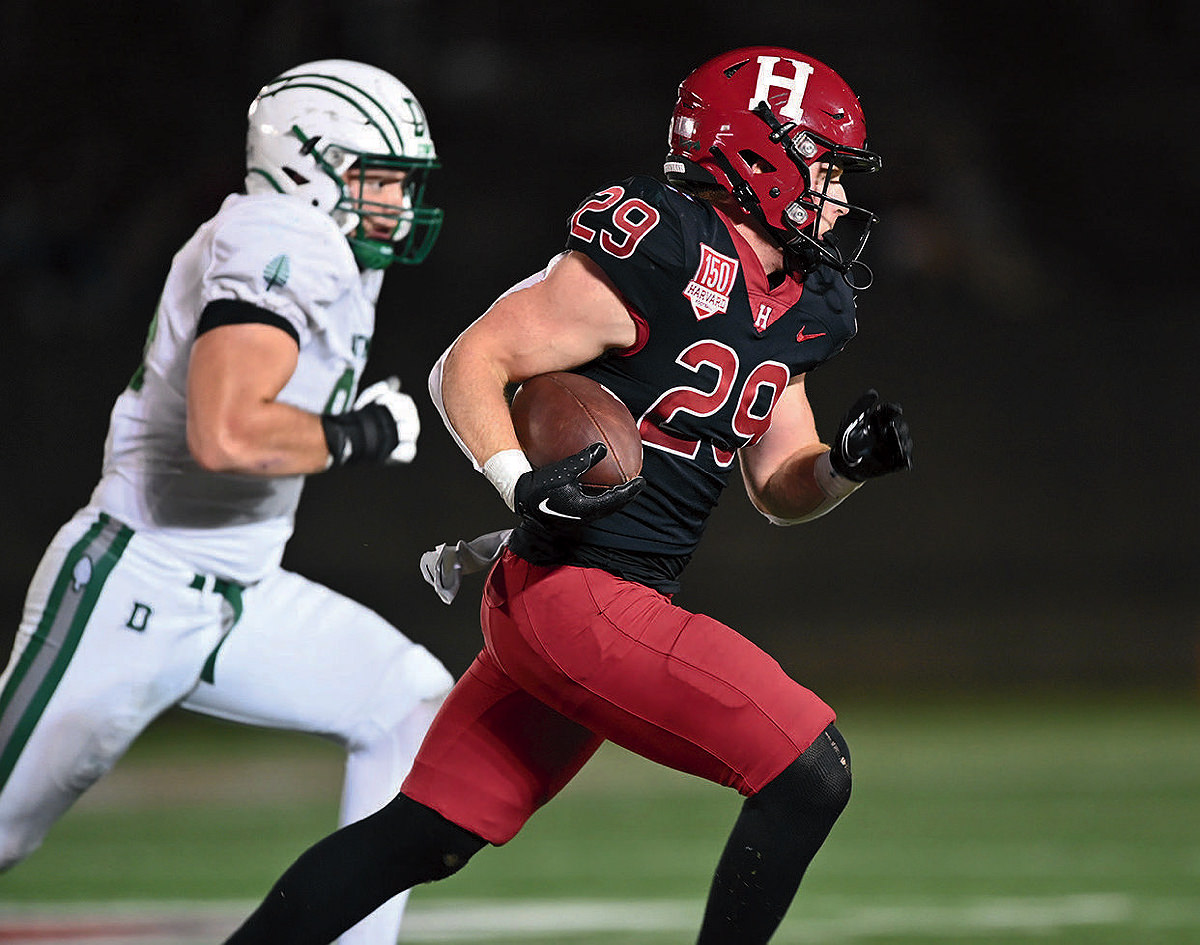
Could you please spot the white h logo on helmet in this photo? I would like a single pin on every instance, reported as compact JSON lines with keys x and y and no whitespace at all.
{"x":796,"y":86}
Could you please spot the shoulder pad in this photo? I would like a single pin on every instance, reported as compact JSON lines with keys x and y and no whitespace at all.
{"x":276,"y":252}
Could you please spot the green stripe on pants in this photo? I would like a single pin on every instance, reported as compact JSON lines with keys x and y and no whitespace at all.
{"x":232,"y":592}
{"x":49,"y":652}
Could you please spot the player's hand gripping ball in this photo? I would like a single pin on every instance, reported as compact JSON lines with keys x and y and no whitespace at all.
{"x":558,"y":414}
{"x":584,"y":446}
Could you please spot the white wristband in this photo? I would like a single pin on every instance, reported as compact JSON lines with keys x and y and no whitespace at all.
{"x":503,"y":469}
{"x":834,"y":486}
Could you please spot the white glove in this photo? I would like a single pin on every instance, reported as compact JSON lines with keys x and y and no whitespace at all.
{"x":404,"y":413}
{"x":444,"y":567}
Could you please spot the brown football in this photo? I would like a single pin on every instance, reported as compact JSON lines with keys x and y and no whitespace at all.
{"x":558,"y":414}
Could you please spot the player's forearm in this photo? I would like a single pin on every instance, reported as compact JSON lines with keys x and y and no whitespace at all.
{"x":273,"y":439}
{"x":792,"y":490}
{"x":473,"y":404}
{"x":468,"y":388}
{"x":802,"y":489}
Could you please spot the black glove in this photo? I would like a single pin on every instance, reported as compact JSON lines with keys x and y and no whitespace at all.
{"x":554,"y":497}
{"x":382,"y":428}
{"x":873,"y":440}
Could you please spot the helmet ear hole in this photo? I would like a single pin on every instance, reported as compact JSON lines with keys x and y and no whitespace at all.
{"x":757,"y":161}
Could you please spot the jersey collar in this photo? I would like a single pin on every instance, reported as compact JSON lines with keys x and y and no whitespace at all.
{"x":766,"y":304}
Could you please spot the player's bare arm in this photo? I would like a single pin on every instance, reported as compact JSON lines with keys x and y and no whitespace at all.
{"x":792,"y":477}
{"x":234,"y":422}
{"x":569,"y":318}
{"x":778,"y":470}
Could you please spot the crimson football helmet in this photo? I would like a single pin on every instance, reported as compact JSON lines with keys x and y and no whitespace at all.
{"x":753,"y":121}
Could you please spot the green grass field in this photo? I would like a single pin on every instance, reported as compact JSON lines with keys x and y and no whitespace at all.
{"x":1063,"y":820}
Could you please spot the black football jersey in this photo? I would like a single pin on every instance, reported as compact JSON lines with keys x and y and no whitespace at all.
{"x":716,"y":346}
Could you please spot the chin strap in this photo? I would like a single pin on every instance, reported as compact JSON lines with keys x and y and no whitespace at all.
{"x":371,"y":254}
{"x":801,"y":252}
{"x":868,"y":275}
{"x":795,"y":250}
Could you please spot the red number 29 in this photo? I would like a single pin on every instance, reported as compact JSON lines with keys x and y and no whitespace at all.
{"x":747,"y":424}
{"x":633,"y":219}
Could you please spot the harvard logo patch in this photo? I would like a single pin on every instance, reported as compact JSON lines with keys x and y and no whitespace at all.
{"x":708,"y":292}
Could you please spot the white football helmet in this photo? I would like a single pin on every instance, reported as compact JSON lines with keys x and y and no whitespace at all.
{"x":317,"y":121}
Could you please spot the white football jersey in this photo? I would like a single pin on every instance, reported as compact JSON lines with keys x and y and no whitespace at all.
{"x":279,"y":254}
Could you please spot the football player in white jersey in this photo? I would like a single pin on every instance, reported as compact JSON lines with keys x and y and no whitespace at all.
{"x":166,"y":589}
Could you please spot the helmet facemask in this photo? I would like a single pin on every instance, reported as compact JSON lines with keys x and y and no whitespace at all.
{"x":798,"y":226}
{"x":414,"y":227}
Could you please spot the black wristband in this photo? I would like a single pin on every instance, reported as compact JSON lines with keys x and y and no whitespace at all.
{"x":361,"y":436}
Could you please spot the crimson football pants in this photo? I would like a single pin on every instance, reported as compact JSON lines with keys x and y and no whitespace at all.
{"x":574,"y":656}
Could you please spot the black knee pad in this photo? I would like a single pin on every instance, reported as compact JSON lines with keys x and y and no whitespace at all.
{"x":423,"y":842}
{"x":818,"y":780}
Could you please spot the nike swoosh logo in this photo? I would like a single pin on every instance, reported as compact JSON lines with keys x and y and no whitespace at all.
{"x":801,"y":336}
{"x":855,"y":461}
{"x":544,"y":506}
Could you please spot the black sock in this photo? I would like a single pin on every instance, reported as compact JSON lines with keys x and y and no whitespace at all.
{"x":345,"y":877}
{"x":776,"y":836}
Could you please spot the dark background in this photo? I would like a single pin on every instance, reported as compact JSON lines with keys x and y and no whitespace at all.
{"x":1034,"y":308}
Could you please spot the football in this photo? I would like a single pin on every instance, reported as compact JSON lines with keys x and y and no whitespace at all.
{"x":558,"y":414}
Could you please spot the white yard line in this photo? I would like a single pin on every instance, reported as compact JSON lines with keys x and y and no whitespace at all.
{"x":166,"y":923}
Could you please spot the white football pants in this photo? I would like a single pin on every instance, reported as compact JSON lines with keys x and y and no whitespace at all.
{"x":115,"y":631}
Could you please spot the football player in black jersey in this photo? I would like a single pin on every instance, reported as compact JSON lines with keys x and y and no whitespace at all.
{"x":701,"y":303}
